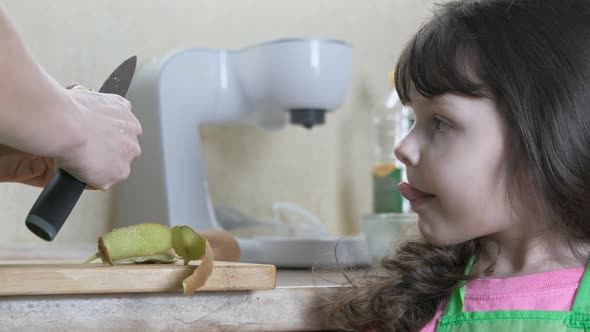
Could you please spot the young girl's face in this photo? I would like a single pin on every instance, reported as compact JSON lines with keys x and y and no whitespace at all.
{"x":455,"y":162}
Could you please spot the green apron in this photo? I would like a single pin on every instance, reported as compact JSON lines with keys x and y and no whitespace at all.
{"x":455,"y":319}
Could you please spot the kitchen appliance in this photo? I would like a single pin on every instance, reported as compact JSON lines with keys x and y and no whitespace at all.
{"x":295,"y":81}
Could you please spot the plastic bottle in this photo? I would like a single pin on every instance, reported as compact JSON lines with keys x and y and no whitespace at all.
{"x":391,"y":120}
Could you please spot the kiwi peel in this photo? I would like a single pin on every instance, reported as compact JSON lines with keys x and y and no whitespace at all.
{"x":158,"y":244}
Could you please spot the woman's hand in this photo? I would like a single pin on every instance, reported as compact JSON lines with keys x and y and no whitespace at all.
{"x":108,"y":133}
{"x":91,"y":135}
{"x":18,"y":166}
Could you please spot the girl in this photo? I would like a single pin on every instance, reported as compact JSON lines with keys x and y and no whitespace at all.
{"x":498,"y":166}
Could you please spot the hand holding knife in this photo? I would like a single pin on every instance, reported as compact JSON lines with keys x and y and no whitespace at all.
{"x":56,"y":201}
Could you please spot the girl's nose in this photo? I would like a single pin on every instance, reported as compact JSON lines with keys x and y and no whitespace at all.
{"x":407,"y":151}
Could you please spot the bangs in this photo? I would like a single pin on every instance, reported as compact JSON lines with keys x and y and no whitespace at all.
{"x":441,"y":58}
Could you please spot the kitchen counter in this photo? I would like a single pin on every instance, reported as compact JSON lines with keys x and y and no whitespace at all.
{"x":291,"y":306}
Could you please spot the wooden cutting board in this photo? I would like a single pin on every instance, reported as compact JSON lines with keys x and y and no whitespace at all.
{"x":66,"y":277}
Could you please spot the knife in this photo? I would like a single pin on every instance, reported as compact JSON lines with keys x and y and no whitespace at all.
{"x":58,"y":198}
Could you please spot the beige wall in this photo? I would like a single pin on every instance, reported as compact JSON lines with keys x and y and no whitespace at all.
{"x":326,"y":170}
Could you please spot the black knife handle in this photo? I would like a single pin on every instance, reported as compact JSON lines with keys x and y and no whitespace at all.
{"x":54,"y":205}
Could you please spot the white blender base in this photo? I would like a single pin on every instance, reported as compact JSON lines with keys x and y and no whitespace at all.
{"x":298,"y":252}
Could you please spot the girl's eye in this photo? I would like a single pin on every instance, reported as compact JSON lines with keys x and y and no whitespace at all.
{"x":440,"y":124}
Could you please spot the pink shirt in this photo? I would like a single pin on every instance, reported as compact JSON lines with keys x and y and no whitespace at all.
{"x":553,"y":290}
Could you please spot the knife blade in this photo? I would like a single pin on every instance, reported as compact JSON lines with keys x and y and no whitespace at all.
{"x":58,"y":198}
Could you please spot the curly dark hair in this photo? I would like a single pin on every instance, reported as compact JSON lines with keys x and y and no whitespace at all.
{"x":533,"y":58}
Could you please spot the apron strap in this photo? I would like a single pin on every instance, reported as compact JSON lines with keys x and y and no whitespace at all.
{"x":582,"y":299}
{"x":455,"y":305}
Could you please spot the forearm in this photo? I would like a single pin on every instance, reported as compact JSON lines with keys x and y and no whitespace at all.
{"x":36,"y":113}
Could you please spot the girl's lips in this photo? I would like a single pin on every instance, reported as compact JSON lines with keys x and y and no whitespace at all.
{"x":415,"y":196}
